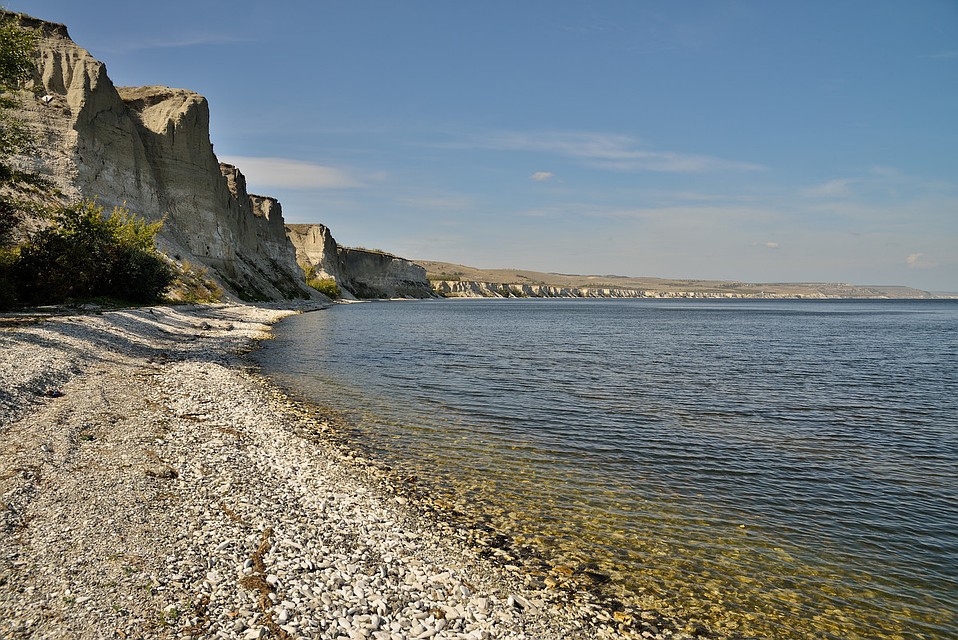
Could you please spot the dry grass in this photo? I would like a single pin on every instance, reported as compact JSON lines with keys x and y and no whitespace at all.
{"x":232,"y":515}
{"x":256,"y":582}
{"x":231,"y":431}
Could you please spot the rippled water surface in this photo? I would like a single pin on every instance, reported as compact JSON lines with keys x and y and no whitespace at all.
{"x":767,"y":468}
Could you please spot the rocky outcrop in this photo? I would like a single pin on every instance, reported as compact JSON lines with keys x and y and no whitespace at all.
{"x":360,"y":272}
{"x":148,"y":148}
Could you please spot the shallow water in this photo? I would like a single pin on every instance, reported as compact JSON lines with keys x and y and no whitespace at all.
{"x":783,"y":469}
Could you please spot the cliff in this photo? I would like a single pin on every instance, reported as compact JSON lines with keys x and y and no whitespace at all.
{"x":360,"y":272}
{"x":148,"y":148}
{"x":316,"y":247}
{"x":372,"y":274}
{"x":478,"y":289}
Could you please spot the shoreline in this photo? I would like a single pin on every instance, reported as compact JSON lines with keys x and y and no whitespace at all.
{"x":153,"y":484}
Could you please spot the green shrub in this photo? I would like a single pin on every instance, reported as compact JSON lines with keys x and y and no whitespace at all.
{"x":326,"y":286}
{"x":85,"y":255}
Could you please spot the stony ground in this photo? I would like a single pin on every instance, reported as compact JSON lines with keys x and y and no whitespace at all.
{"x":153,"y":487}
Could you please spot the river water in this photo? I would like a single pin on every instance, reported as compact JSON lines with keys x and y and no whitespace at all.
{"x":770,"y":469}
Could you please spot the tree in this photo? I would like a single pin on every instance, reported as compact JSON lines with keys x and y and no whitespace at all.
{"x":17,"y":49}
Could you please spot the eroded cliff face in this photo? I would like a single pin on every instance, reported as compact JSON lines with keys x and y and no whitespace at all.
{"x":316,"y":247}
{"x":148,"y":148}
{"x":371,"y":274}
{"x":360,"y":272}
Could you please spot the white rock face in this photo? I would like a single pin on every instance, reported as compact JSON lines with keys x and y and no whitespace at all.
{"x":363,"y":273}
{"x":316,"y":246}
{"x":472,"y":289}
{"x":149,"y":148}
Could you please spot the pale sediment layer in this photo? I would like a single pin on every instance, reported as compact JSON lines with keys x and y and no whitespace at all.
{"x":153,"y":487}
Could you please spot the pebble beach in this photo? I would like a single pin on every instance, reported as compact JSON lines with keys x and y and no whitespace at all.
{"x":153,"y":485}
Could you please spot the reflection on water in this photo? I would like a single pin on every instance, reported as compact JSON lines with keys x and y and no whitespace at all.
{"x":768,"y":469}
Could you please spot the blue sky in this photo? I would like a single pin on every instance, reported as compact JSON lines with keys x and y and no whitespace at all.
{"x":753,"y":140}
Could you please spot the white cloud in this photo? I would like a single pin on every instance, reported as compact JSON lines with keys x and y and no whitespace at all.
{"x":918,"y":261}
{"x":687,"y":218}
{"x":771,"y":245}
{"x":609,"y":151}
{"x":688,"y":196}
{"x":541,"y":176}
{"x":291,"y":174}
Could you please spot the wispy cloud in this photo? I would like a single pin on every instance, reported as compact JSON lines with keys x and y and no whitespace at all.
{"x":609,"y":151}
{"x":563,"y":210}
{"x":686,"y":217}
{"x":771,"y":245}
{"x":541,"y":176}
{"x":838,"y":188}
{"x":876,"y":184}
{"x":918,"y":261}
{"x":292,"y":174}
{"x":888,"y":173}
{"x":173,"y":42}
{"x":696,"y":217}
{"x":947,"y":54}
{"x":664,"y":197}
{"x":439,"y":203}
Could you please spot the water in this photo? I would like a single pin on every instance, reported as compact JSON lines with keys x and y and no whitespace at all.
{"x":773,"y":469}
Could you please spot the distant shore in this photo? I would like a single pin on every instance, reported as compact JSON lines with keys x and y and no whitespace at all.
{"x":152,"y":486}
{"x":459,"y":280}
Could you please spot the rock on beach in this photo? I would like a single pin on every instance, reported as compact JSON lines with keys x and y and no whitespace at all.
{"x":168,"y":491}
